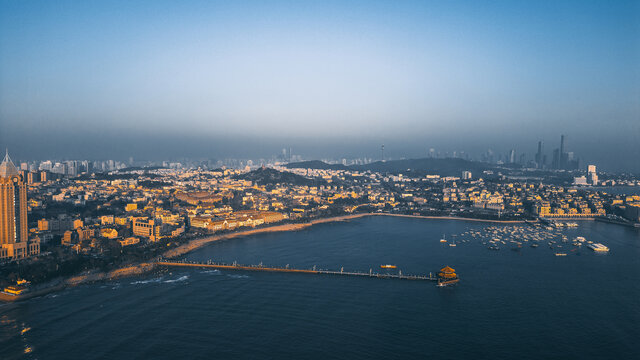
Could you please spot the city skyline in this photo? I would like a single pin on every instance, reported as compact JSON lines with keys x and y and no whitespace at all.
{"x":158,"y":80}
{"x":561,"y":157}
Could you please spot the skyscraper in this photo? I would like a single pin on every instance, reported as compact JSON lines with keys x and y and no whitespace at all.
{"x":563,"y":159}
{"x":556,"y":159}
{"x":539,"y":156}
{"x":592,"y":176}
{"x":13,"y":214}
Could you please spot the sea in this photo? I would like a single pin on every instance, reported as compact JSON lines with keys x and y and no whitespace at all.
{"x":521,"y":304}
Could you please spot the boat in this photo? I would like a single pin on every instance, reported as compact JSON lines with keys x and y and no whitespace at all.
{"x":452,"y":244}
{"x":534,"y":245}
{"x":580,"y":239}
{"x":598,"y":247}
{"x":447,"y":276}
{"x":444,"y":239}
{"x":561,"y":254}
{"x":388,"y":266}
{"x":494,"y":247}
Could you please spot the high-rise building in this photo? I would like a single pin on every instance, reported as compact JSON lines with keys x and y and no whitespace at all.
{"x":556,"y":159}
{"x":13,"y":214}
{"x":592,"y":176}
{"x":512,"y":156}
{"x":539,"y":156}
{"x":466,"y":175}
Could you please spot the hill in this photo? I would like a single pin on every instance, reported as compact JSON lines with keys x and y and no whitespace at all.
{"x":443,"y":167}
{"x":269,"y":176}
{"x":316,"y":164}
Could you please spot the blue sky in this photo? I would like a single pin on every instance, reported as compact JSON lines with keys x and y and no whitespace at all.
{"x":455,"y":74}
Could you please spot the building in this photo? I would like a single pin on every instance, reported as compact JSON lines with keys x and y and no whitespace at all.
{"x":539,"y":156}
{"x":147,"y":228}
{"x":592,"y":176}
{"x":32,"y":177}
{"x":580,"y":180}
{"x":129,"y":241}
{"x":13,"y":214}
{"x":466,"y":175}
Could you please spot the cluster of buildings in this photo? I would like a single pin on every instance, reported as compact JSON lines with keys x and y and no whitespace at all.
{"x":133,"y":208}
{"x":14,"y":235}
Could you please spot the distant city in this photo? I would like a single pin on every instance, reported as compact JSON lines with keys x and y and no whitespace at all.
{"x":560,"y":158}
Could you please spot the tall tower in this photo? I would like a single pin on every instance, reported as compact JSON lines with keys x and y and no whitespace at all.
{"x":563,"y":154}
{"x":539,"y":155}
{"x":13,"y":212}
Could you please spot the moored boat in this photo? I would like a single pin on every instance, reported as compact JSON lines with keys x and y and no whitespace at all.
{"x":598,"y":247}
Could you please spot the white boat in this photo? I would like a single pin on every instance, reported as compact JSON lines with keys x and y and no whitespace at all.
{"x":598,"y":247}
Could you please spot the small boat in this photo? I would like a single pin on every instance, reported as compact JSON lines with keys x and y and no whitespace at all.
{"x":561,"y":254}
{"x":388,"y":266}
{"x":25,"y":330}
{"x":444,"y":239}
{"x":534,"y":245}
{"x":598,"y":247}
{"x":494,"y":247}
{"x":452,"y":244}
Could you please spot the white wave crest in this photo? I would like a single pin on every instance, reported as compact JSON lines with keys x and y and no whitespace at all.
{"x":238,"y":276}
{"x":181,"y":278}
{"x":139,"y":282}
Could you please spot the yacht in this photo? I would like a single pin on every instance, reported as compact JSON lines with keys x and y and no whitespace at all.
{"x":598,"y":247}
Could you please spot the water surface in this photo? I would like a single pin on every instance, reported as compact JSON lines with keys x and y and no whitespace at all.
{"x":526,"y":304}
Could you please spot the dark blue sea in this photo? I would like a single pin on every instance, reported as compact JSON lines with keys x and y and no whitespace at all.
{"x":527,"y":304}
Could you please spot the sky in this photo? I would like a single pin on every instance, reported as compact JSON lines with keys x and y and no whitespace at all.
{"x":159,"y":79}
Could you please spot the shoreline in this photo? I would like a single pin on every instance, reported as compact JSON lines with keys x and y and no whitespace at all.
{"x":195,"y":244}
{"x":146,"y":267}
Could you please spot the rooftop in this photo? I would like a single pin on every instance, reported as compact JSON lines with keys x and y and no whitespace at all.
{"x":7,"y":169}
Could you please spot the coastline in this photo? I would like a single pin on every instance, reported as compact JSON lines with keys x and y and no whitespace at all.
{"x":195,"y":244}
{"x":146,"y":267}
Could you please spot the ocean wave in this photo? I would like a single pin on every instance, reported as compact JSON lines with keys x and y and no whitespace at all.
{"x":139,"y":282}
{"x":238,"y":276}
{"x":215,"y":272}
{"x":181,"y":278}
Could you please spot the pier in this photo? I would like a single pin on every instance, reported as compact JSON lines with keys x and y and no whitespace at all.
{"x":287,"y":269}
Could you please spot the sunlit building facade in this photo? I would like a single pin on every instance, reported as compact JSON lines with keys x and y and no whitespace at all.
{"x":14,"y":234}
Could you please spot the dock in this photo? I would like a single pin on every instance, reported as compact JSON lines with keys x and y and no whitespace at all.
{"x":287,"y":269}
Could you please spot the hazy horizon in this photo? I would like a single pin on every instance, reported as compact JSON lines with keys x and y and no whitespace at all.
{"x":157,"y":80}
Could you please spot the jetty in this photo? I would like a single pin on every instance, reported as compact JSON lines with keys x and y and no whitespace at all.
{"x":220,"y":266}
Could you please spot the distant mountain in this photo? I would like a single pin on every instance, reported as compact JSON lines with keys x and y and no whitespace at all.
{"x":269,"y":176}
{"x":443,"y":167}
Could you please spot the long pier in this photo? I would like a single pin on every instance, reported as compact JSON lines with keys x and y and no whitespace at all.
{"x":287,"y":269}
